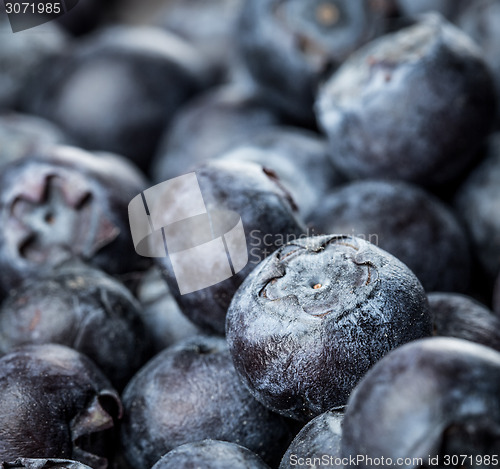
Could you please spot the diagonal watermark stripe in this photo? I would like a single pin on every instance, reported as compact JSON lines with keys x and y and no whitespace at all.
{"x":204,"y":247}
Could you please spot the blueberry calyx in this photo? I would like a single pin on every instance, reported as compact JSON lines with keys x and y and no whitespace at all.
{"x":54,"y":220}
{"x":91,"y":425}
{"x":310,"y":289}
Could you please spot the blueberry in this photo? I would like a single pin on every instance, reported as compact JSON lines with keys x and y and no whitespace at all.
{"x":33,"y":463}
{"x":479,"y":21}
{"x":164,"y":321}
{"x":317,"y":444}
{"x":288,"y":45}
{"x":208,"y":125}
{"x":210,"y":454}
{"x":299,"y":158}
{"x":450,"y":9}
{"x":117,"y":89}
{"x":23,"y":134}
{"x":210,"y":25}
{"x":432,"y":398}
{"x":85,"y":16}
{"x":496,"y":296}
{"x":413,"y":105}
{"x":313,"y":317}
{"x":190,"y":392}
{"x":81,"y":308}
{"x":461,"y":316}
{"x":406,"y":221}
{"x":62,"y":204}
{"x":267,"y":214}
{"x":477,"y":203}
{"x":21,"y":56}
{"x":56,"y":404}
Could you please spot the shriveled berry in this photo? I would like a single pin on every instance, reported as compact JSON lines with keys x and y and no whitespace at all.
{"x":63,"y":204}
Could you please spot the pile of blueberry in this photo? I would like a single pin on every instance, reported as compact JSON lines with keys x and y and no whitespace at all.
{"x":357,"y":140}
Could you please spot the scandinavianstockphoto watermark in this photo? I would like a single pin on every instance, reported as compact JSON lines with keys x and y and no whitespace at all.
{"x":24,"y":14}
{"x":455,"y":460}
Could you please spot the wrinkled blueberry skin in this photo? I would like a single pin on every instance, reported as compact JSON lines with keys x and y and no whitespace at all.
{"x":191,"y":392}
{"x":462,"y":317}
{"x":28,"y":463}
{"x":21,"y":55}
{"x":436,"y":396}
{"x":441,"y":98}
{"x":22,"y":134}
{"x":65,"y":204}
{"x":56,"y":403}
{"x":117,"y":89}
{"x":479,"y":20}
{"x":313,"y":317}
{"x":84,"y":309}
{"x":288,"y":45}
{"x":299,"y":158}
{"x":210,"y":454}
{"x":209,"y":125}
{"x":477,"y":204}
{"x":320,"y":437}
{"x":268,"y":215}
{"x":406,"y":221}
{"x":160,"y":313}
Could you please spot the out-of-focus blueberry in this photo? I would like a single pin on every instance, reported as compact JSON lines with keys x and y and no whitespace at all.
{"x":477,"y":203}
{"x":117,"y":89}
{"x":23,"y":54}
{"x":299,"y":158}
{"x":460,"y":316}
{"x":56,"y":403}
{"x":480,"y":21}
{"x":210,"y":25}
{"x":164,"y":321}
{"x":82,"y":308}
{"x":190,"y":392}
{"x":289,"y":45}
{"x":413,"y":105}
{"x":450,"y":9}
{"x":209,"y":125}
{"x":23,"y":134}
{"x":406,"y":221}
